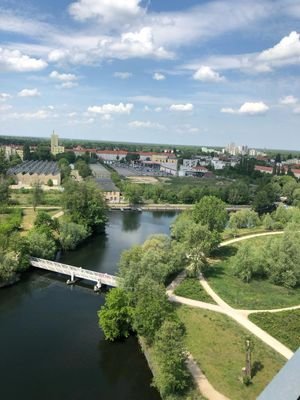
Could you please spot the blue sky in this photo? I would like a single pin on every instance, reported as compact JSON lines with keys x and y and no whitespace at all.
{"x":178,"y":72}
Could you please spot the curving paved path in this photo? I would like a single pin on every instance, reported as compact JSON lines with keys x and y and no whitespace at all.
{"x":202,"y":382}
{"x":240,"y":316}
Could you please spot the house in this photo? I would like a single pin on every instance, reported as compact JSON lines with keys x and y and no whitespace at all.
{"x":110,"y":156}
{"x":112,"y":194}
{"x":169,"y":168}
{"x":263,"y":169}
{"x":296,"y":172}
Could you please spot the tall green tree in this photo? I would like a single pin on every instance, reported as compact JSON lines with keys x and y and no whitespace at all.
{"x":115,"y":317}
{"x":84,"y":204}
{"x":211,"y":211}
{"x":37,"y":195}
{"x":151,"y":309}
{"x":172,"y":376}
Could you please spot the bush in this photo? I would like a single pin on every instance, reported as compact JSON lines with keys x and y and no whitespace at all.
{"x":71,"y":235}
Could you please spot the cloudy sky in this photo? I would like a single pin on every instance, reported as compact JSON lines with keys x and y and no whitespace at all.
{"x":173,"y":71}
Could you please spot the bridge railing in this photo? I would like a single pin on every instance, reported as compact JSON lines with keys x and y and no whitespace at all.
{"x":77,"y":272}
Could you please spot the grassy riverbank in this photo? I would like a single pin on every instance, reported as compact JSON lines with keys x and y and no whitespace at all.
{"x":217,"y":344}
{"x":191,"y":394}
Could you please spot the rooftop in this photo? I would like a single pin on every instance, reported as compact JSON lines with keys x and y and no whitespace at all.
{"x":35,"y":167}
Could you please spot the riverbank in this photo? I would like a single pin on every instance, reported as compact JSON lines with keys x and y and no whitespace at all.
{"x":166,"y":207}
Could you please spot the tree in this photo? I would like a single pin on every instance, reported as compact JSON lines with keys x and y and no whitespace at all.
{"x":151,"y":308}
{"x":262,"y":202}
{"x":85,"y":204}
{"x":211,"y":211}
{"x":41,"y":243}
{"x":238,"y":193}
{"x":43,"y":219}
{"x":133,"y":193}
{"x":71,"y":235}
{"x":172,"y":376}
{"x":268,"y":222}
{"x":247,"y":263}
{"x":197,"y":262}
{"x":37,"y":195}
{"x":115,"y":317}
{"x":50,"y":182}
{"x":26,"y":152}
{"x":64,"y":168}
{"x":8,"y":265}
{"x":83,"y":168}
{"x":4,"y":193}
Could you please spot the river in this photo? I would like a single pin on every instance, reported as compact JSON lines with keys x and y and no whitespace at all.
{"x":51,"y":347}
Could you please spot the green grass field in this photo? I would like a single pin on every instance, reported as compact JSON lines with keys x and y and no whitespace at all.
{"x":284,"y":326}
{"x":192,"y":289}
{"x":50,"y":198}
{"x":217,"y":344}
{"x":258,"y":294}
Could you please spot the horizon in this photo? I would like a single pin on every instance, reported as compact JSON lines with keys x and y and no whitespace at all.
{"x":216,"y":147}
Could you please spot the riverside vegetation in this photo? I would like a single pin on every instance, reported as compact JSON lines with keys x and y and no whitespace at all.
{"x":140,"y":306}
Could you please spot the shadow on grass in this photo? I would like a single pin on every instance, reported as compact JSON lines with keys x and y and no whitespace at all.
{"x":256,"y":367}
{"x":225,"y":252}
{"x":215,"y":271}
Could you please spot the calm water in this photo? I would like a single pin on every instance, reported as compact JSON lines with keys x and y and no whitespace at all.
{"x":50,"y":343}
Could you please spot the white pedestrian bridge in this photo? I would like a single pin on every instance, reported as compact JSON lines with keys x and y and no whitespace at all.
{"x":75,"y":273}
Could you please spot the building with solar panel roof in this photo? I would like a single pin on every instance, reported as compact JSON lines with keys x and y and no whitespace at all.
{"x":31,"y":172}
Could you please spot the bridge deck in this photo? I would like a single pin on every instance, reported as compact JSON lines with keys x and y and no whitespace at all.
{"x":74,"y":272}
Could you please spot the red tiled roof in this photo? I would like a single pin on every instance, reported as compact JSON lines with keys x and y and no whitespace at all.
{"x":263,"y":168}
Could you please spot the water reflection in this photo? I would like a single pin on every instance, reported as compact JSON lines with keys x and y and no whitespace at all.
{"x":131,"y":221}
{"x":50,"y":342}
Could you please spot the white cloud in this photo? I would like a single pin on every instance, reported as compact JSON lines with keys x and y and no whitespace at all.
{"x":29,"y":93}
{"x":5,"y":107}
{"x":139,"y":44}
{"x":182,"y":107}
{"x":287,"y":49}
{"x":106,"y":109}
{"x":207,"y":74}
{"x":107,"y":10}
{"x":158,"y":76}
{"x":63,"y":77}
{"x":14,"y":60}
{"x":68,"y":81}
{"x":187,"y":128}
{"x":146,"y":124}
{"x":68,"y":85}
{"x":288,"y":100}
{"x":296,"y":110}
{"x":123,"y":75}
{"x":158,"y":109}
{"x":248,"y":108}
{"x":152,"y":100}
{"x":40,"y":114}
{"x":4,"y":96}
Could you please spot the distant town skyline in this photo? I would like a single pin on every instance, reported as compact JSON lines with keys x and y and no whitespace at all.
{"x":194,"y":72}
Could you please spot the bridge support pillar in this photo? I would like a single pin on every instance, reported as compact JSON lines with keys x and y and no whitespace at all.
{"x":72,"y":279}
{"x":97,"y":287}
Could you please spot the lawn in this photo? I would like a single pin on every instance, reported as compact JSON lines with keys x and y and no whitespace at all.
{"x":258,"y":294}
{"x":284,"y":326}
{"x":24,"y":197}
{"x":192,"y":289}
{"x":217,"y":344}
{"x":29,"y":216}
